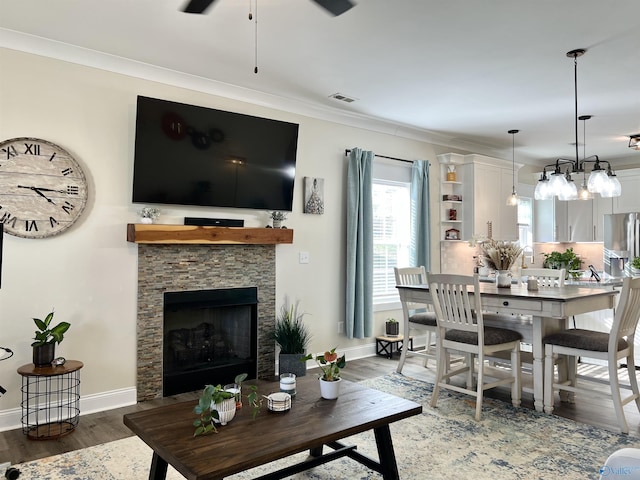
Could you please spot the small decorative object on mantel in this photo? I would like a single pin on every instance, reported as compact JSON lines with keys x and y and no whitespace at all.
{"x":330,"y":364}
{"x":500,"y":256}
{"x":277,"y":218}
{"x":392,"y":327}
{"x":44,"y":346}
{"x":149,"y":214}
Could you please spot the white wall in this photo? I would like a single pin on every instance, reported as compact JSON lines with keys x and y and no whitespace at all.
{"x":88,"y":274}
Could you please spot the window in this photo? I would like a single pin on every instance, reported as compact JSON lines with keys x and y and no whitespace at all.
{"x":525,"y":221}
{"x":391,"y":236}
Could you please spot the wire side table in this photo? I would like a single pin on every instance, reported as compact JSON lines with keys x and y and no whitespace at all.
{"x":50,"y":399}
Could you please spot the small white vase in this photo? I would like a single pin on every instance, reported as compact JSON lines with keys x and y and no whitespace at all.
{"x":330,"y":390}
{"x":277,"y":224}
{"x":503,"y":279}
{"x":146,"y":220}
{"x":226,"y":410}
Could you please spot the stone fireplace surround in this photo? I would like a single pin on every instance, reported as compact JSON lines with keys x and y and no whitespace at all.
{"x":180,"y":267}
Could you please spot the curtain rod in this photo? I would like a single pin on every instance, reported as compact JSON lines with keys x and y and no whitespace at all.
{"x":347,"y":151}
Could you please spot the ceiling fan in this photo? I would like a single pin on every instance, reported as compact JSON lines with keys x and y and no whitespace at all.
{"x":335,"y":7}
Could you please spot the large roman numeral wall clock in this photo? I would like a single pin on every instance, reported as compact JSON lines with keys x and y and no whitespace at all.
{"x":43,"y":190}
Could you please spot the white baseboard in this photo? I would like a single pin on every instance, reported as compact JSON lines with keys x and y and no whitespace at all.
{"x":97,"y":402}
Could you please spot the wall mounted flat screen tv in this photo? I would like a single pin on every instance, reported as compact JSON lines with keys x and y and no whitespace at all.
{"x":191,"y":155}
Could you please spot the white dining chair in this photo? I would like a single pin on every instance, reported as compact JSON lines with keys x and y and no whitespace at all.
{"x":461,"y":329}
{"x":420,"y":316}
{"x":612,"y":347}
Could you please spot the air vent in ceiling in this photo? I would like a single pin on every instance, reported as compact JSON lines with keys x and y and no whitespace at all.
{"x":342,"y":98}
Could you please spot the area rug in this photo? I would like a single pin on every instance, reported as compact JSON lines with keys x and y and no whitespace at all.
{"x":442,"y":443}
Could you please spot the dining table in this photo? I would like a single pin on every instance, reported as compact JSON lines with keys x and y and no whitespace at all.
{"x":548,"y":307}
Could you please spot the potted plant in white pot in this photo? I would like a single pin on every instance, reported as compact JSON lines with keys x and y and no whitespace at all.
{"x":292,"y":336}
{"x":46,"y":337}
{"x":217,"y":405}
{"x":330,"y":364}
{"x":277,"y":218}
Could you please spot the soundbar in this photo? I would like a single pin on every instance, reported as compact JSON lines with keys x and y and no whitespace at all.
{"x":214,"y":222}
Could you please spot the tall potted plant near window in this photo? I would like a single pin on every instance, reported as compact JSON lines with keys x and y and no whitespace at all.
{"x":292,"y":336}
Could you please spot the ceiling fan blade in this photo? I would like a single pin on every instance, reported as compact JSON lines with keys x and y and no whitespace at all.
{"x":197,"y":6}
{"x":335,"y":7}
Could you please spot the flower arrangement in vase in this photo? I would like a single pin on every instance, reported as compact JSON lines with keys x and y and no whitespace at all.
{"x":277,"y":218}
{"x":330,"y":365}
{"x":149,"y":214}
{"x":500,"y":256}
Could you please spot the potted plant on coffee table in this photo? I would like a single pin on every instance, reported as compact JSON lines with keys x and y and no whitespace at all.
{"x":46,"y":337}
{"x":330,"y":365}
{"x":292,"y":336}
{"x":217,"y":405}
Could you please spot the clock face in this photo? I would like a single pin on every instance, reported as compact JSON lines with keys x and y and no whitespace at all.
{"x":43,"y":190}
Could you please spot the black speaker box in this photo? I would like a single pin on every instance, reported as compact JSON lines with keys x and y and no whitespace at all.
{"x":214,"y":222}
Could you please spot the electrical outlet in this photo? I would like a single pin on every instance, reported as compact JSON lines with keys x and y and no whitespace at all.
{"x":304,"y":257}
{"x":340,"y":327}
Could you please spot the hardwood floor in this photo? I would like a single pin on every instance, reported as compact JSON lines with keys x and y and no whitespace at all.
{"x":107,"y":426}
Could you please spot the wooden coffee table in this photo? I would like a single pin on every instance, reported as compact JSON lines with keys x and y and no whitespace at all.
{"x":245,"y":442}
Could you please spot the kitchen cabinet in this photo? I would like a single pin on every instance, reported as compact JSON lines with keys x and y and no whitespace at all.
{"x":629,"y":201}
{"x":571,"y":221}
{"x":488,"y":183}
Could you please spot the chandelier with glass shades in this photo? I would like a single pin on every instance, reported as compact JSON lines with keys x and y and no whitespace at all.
{"x":559,"y":183}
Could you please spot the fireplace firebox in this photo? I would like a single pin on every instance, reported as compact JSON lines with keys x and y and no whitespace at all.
{"x":210,"y":336}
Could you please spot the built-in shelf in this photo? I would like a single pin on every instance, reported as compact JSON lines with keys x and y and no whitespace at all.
{"x":193,"y":234}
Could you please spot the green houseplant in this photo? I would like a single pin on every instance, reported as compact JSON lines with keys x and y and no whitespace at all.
{"x":567,"y":260}
{"x":216,"y":405}
{"x":330,"y":365}
{"x":392,"y":327}
{"x":46,"y":338}
{"x":293,"y":337}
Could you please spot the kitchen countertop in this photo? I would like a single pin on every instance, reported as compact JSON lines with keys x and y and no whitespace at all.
{"x":605,"y":282}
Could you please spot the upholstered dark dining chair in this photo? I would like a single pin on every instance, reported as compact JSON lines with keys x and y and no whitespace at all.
{"x":612,"y":347}
{"x":461,"y":329}
{"x":421,"y":316}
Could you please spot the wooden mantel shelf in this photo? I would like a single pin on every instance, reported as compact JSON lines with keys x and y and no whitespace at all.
{"x":192,"y":234}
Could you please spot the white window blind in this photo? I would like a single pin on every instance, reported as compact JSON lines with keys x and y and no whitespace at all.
{"x":391,"y":235}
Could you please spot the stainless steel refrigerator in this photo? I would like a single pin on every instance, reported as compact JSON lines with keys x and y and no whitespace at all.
{"x":621,"y":242}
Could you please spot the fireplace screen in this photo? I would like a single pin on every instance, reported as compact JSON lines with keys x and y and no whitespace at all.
{"x":210,"y":336}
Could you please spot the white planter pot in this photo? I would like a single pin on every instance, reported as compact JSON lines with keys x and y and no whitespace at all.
{"x":226,"y":410}
{"x":503,"y":279}
{"x":330,"y":390}
{"x":146,"y":220}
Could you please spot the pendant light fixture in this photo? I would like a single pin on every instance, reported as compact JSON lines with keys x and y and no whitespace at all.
{"x":584,"y":193}
{"x":561,"y":184}
{"x":512,"y":200}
